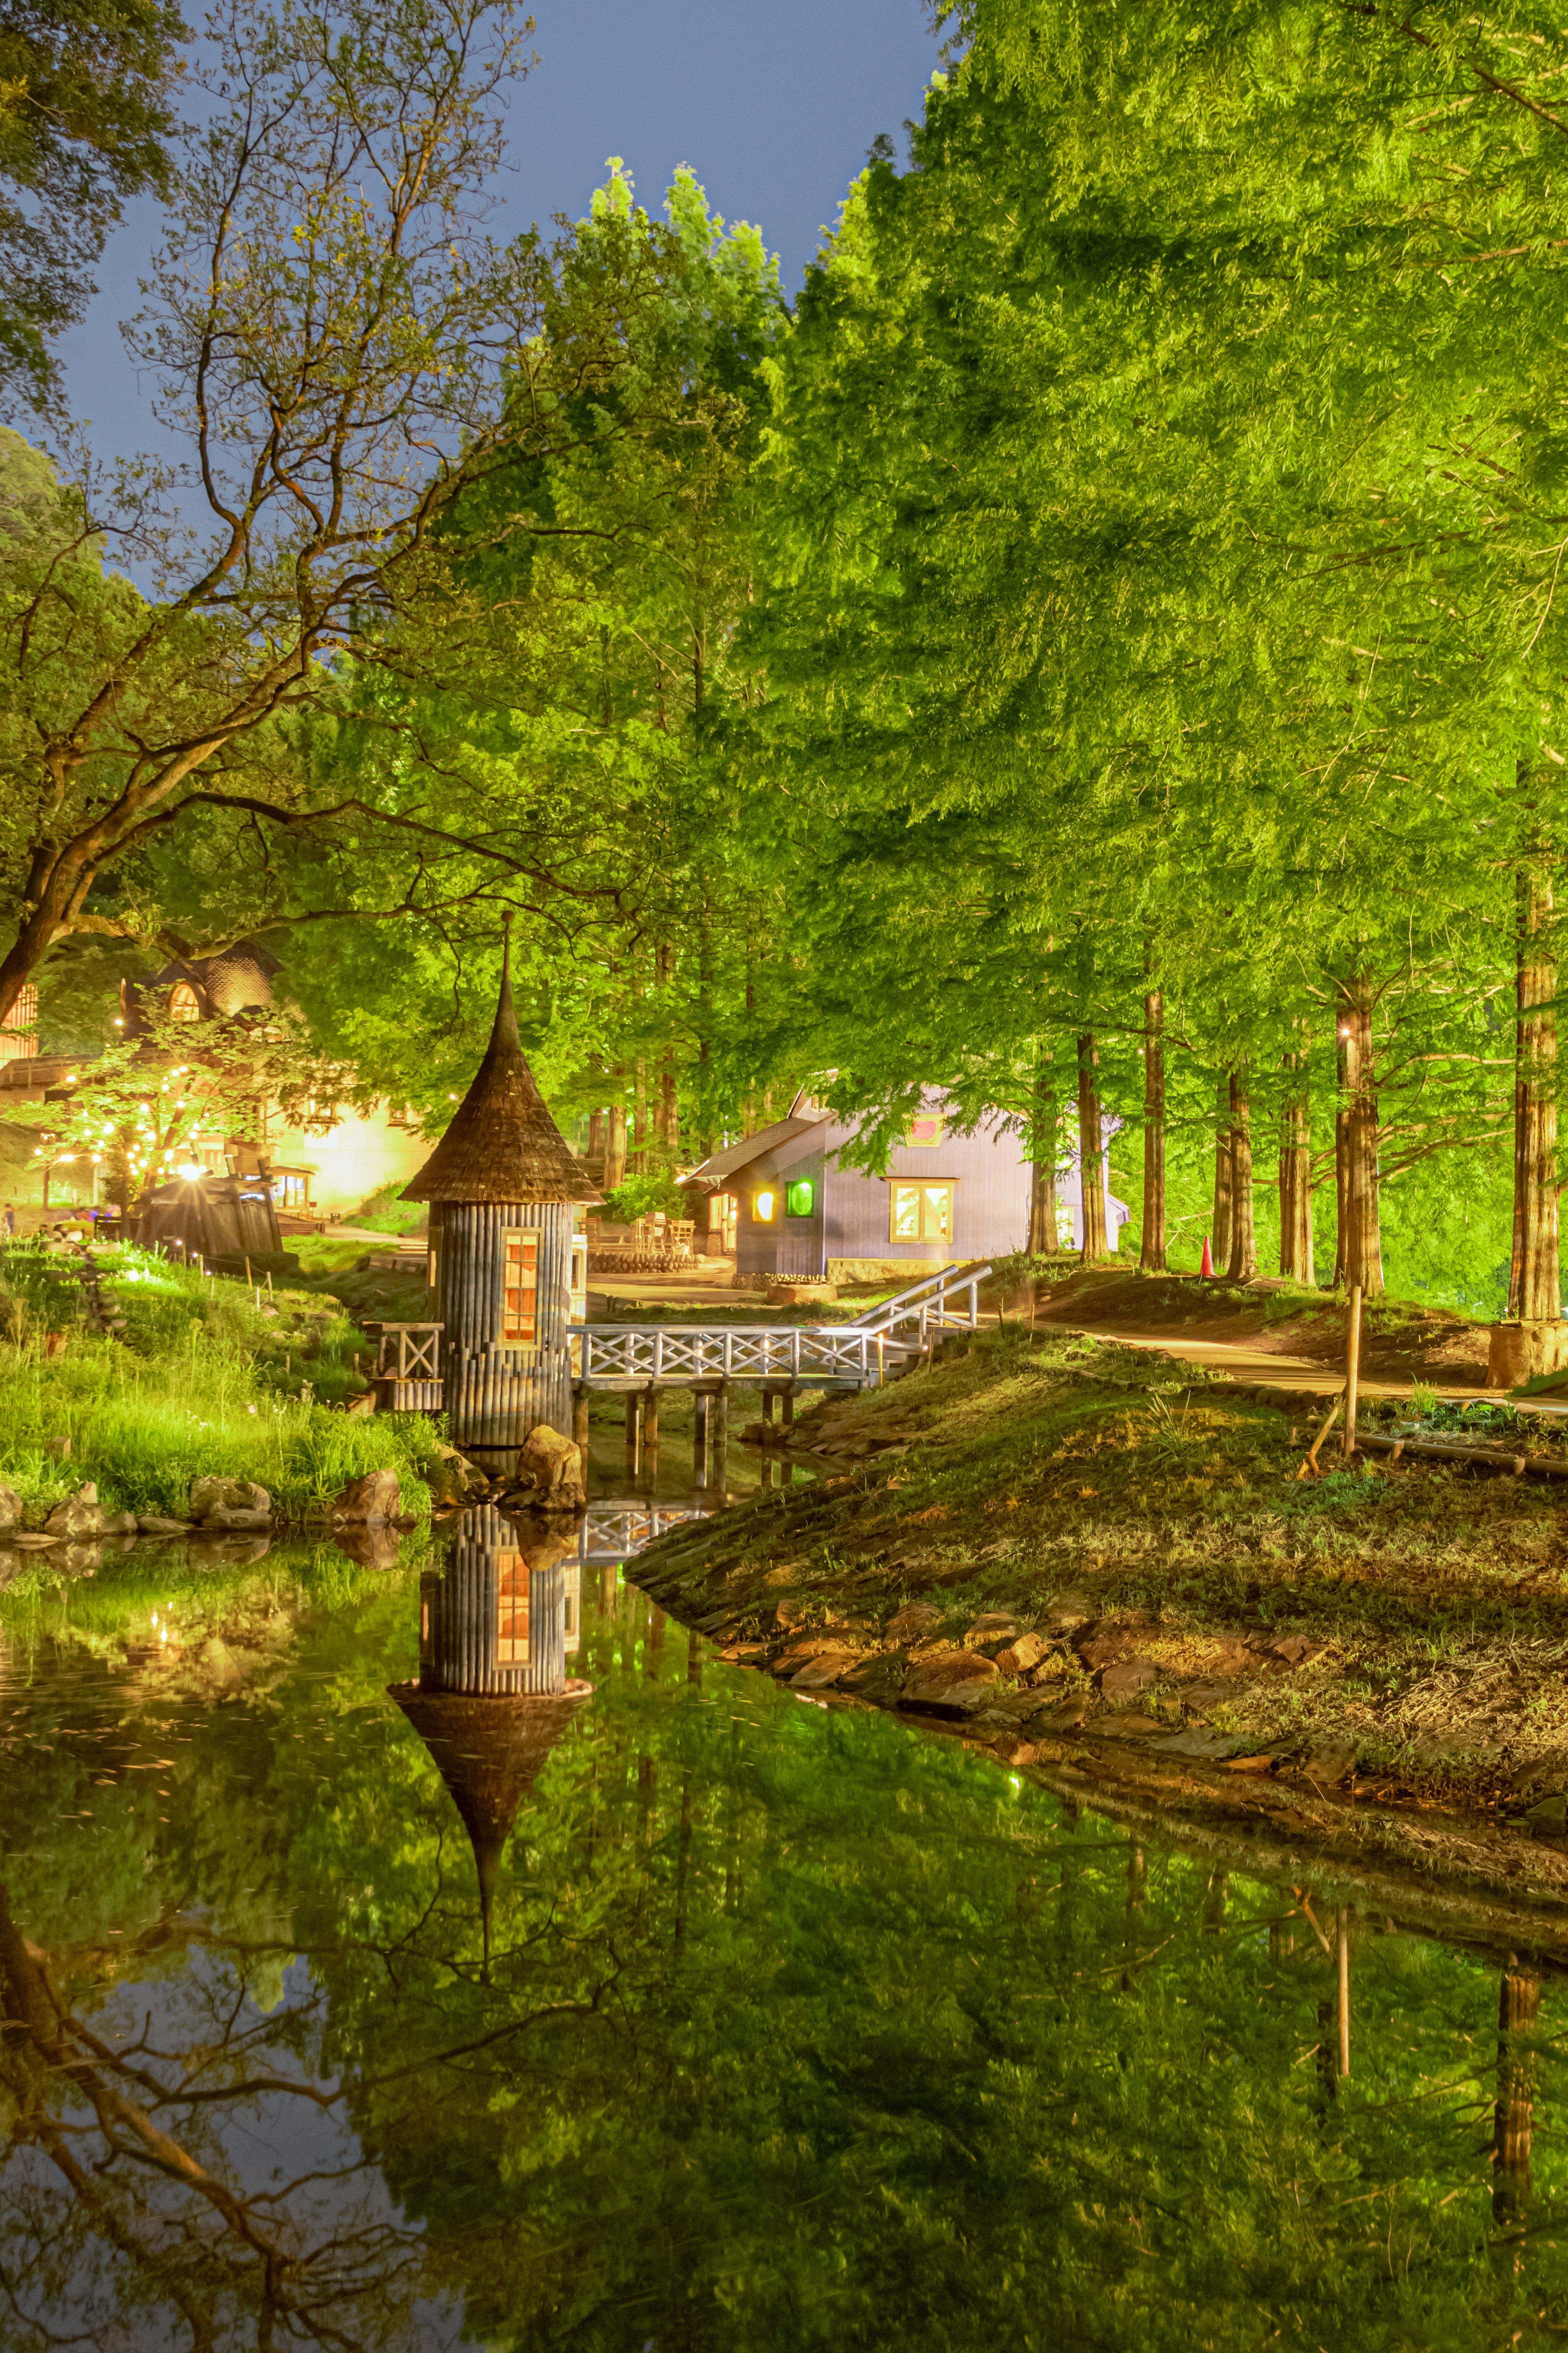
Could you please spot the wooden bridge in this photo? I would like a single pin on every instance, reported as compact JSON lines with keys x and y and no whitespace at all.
{"x":617,"y":1531}
{"x":886,"y":1340}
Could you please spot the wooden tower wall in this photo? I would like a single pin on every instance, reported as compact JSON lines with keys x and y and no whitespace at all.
{"x":496,"y":1393}
{"x":464,"y":1614}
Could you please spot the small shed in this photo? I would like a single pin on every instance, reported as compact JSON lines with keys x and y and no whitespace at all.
{"x":503,"y":1191}
{"x":210,"y":1217}
{"x":947,"y":1198}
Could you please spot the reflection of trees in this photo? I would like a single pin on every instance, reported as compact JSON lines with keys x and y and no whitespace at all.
{"x":798,"y":2029}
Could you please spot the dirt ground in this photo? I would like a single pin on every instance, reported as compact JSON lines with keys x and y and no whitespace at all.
{"x":1091,"y":1562}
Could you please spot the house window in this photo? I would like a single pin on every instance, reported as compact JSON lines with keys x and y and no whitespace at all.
{"x":921,"y":1213}
{"x":800,"y":1199}
{"x":402,"y":1115}
{"x":765,"y":1207}
{"x":519,"y":1287}
{"x":291,"y":1189}
{"x":183,"y":1003}
{"x":927,"y":1128}
{"x":512,"y":1610}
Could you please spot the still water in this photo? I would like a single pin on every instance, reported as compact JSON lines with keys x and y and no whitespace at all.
{"x":779,"y":2025}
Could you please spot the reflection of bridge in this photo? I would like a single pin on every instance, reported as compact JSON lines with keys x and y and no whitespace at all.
{"x":614,"y":1531}
{"x":886,"y":1340}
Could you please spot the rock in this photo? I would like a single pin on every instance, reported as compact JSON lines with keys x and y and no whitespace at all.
{"x":1059,"y":1716}
{"x":216,"y":1661}
{"x":820,"y":1673}
{"x":879,"y":1678}
{"x":908,"y":1624}
{"x":226,"y":1518}
{"x":1202,"y":1693}
{"x":1106,"y":1640}
{"x":789,"y":1613}
{"x":1329,"y":1759}
{"x":58,"y":1450}
{"x":10,"y":1508}
{"x":551,"y":1466}
{"x":1013,"y":1748}
{"x":1125,"y":1726}
{"x":211,"y":1494}
{"x":151,"y":1526}
{"x":452,"y":1478}
{"x":120,"y":1524}
{"x":33,"y":1542}
{"x":1064,"y":1612}
{"x":79,"y":1517}
{"x":1294,"y":1649}
{"x":372,"y":1545}
{"x":369,"y":1502}
{"x":1204,"y":1746}
{"x":1550,"y":1813}
{"x":1128,"y":1678}
{"x":77,"y":1559}
{"x":957,"y":1680}
{"x":1023,"y":1653}
{"x":992,"y":1625}
{"x":359,"y":1408}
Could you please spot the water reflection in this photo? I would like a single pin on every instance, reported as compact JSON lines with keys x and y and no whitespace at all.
{"x":791,"y":2025}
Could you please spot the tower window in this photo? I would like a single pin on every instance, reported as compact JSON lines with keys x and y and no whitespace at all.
{"x":519,"y":1287}
{"x":512,"y":1610}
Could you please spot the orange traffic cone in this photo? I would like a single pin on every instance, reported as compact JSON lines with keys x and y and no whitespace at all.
{"x":1207,"y":1266}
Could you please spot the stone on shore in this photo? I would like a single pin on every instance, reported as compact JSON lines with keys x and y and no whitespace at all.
{"x":371,"y":1502}
{"x":227,"y":1504}
{"x":551,"y":1468}
{"x":79,"y":1517}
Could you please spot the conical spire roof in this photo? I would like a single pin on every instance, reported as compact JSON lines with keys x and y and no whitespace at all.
{"x":490,"y":1753}
{"x":502,"y":1145}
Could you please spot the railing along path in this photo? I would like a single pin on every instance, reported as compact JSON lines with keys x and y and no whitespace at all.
{"x":886,"y":1340}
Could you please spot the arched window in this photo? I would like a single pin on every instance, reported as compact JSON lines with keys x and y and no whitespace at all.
{"x":183,"y":1003}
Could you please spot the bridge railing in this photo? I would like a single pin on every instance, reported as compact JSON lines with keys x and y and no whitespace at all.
{"x":926,"y":1303}
{"x":613,"y":1531}
{"x":623,"y":1355}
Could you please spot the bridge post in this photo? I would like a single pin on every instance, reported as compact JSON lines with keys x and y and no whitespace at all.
{"x":634,"y":1428}
{"x":580,"y":1417}
{"x":650,"y":1420}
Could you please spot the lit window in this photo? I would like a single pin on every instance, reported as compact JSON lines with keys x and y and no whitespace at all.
{"x":921,"y":1213}
{"x":183,"y":1003}
{"x":402,"y":1115}
{"x":927,"y":1127}
{"x":512,"y":1610}
{"x":800,"y":1199}
{"x":291,"y":1189}
{"x":520,"y":1288}
{"x":763,"y":1206}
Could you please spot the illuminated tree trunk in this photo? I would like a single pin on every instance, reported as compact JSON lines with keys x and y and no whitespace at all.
{"x":1296,"y":1174}
{"x":1152,"y":1254}
{"x":1044,"y":1238}
{"x":637,"y":1159}
{"x":1519,"y":1999}
{"x":1222,"y":1232}
{"x":1359,"y":1257}
{"x":1243,"y":1263}
{"x":615,"y":1143}
{"x":1091,"y":1173}
{"x":1534,"y":1289}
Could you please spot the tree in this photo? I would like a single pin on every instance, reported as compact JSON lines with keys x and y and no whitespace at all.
{"x":84,"y":119}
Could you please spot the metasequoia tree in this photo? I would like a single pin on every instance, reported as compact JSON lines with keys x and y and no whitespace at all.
{"x":348,"y":357}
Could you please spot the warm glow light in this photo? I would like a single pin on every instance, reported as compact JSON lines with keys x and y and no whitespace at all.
{"x":191,"y":1169}
{"x":762,"y":1208}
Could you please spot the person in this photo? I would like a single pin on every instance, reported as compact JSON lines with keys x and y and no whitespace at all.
{"x":10,"y":1218}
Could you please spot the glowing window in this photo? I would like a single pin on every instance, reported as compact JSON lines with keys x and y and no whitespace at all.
{"x":800,"y":1199}
{"x":519,"y":1287}
{"x":763,"y":1206}
{"x":927,"y":1127}
{"x":921,"y":1213}
{"x":512,"y":1610}
{"x":183,"y":1003}
{"x":291,"y":1189}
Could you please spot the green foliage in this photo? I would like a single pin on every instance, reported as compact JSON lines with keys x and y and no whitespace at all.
{"x":639,"y":1197}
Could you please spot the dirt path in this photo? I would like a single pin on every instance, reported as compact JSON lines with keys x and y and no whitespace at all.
{"x":1245,"y":1362}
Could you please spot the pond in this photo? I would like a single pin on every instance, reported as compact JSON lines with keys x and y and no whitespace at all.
{"x":779,"y":2024}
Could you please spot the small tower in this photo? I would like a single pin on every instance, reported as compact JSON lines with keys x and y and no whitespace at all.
{"x":502,"y":1189}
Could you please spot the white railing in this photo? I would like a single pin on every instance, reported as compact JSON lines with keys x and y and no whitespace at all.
{"x":626,"y":1355}
{"x":925,"y":1304}
{"x":619,"y":1531}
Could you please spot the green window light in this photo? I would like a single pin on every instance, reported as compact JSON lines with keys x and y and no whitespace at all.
{"x":800,"y":1199}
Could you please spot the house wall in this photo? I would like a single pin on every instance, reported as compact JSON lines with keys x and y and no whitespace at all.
{"x":852,"y":1225}
{"x":359,"y":1154}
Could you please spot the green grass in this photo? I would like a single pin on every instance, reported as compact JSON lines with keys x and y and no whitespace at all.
{"x":205,"y":1381}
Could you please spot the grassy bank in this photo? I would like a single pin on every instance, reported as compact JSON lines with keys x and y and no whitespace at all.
{"x":206,"y":1378}
{"x":1135,"y":1518}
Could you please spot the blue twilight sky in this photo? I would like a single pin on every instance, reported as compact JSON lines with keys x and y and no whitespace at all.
{"x":773,"y":107}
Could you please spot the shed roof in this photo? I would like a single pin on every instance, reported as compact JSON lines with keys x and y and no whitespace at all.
{"x":736,"y":1157}
{"x":502,"y":1145}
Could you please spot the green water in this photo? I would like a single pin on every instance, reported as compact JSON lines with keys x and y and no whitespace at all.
{"x":800,"y":2028}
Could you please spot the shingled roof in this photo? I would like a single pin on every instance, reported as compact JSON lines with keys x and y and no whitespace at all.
{"x":502,"y":1145}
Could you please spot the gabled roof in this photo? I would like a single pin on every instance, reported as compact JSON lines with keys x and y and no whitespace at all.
{"x":502,"y":1145}
{"x":736,"y":1157}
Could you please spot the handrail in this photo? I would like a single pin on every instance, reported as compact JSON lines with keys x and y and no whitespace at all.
{"x":909,"y":1307}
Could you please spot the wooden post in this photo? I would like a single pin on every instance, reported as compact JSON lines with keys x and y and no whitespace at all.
{"x":580,"y":1418}
{"x":786,"y":1405}
{"x":634,"y":1426}
{"x":1353,"y":1368}
{"x":1342,"y":1987}
{"x":651,"y":1418}
{"x":701,"y":1400}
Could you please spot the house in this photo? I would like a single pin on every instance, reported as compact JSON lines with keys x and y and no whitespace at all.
{"x":946,"y":1197}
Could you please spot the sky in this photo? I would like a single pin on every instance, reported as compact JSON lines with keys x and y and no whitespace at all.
{"x":772,"y":106}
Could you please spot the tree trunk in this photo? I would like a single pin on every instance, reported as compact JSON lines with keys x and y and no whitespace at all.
{"x":1519,"y":1999}
{"x":1534,"y":1288}
{"x":1361,"y":1244}
{"x":596,"y":1138}
{"x":1296,"y":1174}
{"x":615,"y":1144}
{"x":1152,"y":1252}
{"x":1243,"y":1263}
{"x":1223,"y":1178}
{"x":637,"y":1158}
{"x":1091,"y":1173}
{"x":1044,"y":1237}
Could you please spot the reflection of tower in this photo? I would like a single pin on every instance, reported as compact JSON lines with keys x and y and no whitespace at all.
{"x":493,"y":1697}
{"x":503,"y":1188}
{"x":1519,"y":1999}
